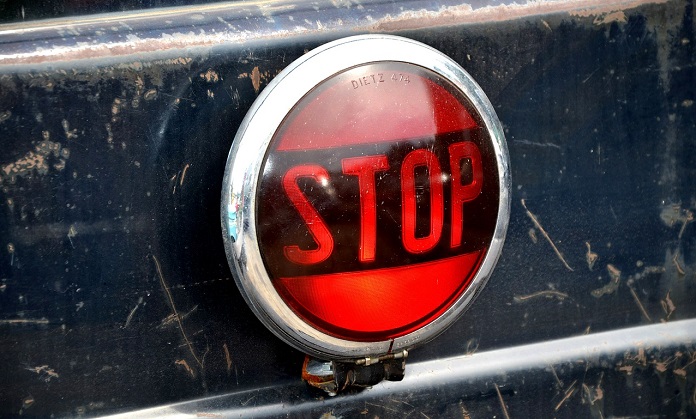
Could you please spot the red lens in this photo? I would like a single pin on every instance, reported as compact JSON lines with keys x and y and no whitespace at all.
{"x":378,"y":199}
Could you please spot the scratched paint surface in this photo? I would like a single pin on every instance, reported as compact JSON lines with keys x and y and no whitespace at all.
{"x":115,"y":292}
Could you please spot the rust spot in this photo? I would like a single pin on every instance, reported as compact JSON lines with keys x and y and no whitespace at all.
{"x":326,"y":382}
{"x":256,"y":79}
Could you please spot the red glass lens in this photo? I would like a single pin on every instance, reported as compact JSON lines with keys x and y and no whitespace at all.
{"x":378,"y":199}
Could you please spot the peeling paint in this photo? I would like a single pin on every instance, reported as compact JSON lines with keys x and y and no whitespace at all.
{"x":256,"y":77}
{"x":611,"y":17}
{"x":210,"y":76}
{"x":37,"y":161}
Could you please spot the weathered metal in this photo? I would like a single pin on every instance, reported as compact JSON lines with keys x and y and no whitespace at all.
{"x":115,"y":294}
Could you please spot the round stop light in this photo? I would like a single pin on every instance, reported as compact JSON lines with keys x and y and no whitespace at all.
{"x":366,"y":197}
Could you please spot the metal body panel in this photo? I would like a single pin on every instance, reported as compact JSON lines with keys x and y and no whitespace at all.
{"x":564,"y":377}
{"x":114,"y":130}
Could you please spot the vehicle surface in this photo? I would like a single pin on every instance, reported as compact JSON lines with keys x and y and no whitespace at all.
{"x":116,"y":295}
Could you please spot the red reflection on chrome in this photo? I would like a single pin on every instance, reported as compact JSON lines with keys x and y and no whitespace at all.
{"x":365,"y":168}
{"x":316,"y":225}
{"x":389,"y":302}
{"x":414,"y":159}
{"x":463,"y":193}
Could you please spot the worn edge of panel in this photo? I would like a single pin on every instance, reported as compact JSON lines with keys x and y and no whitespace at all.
{"x":195,"y":30}
{"x":585,"y":349}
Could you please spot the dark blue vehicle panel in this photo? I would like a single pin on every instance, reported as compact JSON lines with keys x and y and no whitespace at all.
{"x":115,"y":292}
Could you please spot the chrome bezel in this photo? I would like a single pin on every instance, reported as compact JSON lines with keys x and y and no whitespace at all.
{"x":238,"y":209}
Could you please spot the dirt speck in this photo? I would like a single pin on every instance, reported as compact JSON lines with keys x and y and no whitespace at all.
{"x":26,"y":404}
{"x":613,"y":284}
{"x":69,"y":133}
{"x":591,"y":257}
{"x":533,"y":236}
{"x":44,"y":372}
{"x":551,"y":294}
{"x":185,"y":365}
{"x":668,"y":306}
{"x":150,"y":94}
{"x":228,"y":358}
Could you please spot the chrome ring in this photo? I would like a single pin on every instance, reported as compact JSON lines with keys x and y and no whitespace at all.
{"x":238,"y":209}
